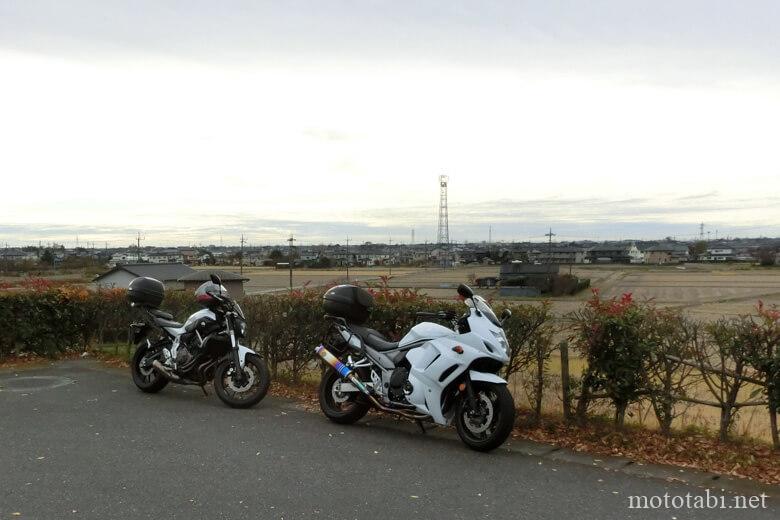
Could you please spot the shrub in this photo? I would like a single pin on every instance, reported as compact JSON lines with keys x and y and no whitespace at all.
{"x":611,"y":336}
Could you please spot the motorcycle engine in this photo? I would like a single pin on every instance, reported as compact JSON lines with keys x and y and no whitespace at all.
{"x":399,"y":386}
{"x":185,"y":352}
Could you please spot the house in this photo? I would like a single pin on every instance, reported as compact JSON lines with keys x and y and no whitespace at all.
{"x":126,"y":258}
{"x":719,"y":254}
{"x":188,"y":256}
{"x":558,"y":255}
{"x":166,"y":256}
{"x":233,"y":282}
{"x":19,"y":255}
{"x":666,"y":253}
{"x":121,"y":275}
{"x":617,"y":253}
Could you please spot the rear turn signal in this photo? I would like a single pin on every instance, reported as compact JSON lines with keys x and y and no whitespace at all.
{"x":458,"y":349}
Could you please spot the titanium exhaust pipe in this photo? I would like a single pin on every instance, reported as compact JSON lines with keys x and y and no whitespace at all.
{"x":343,"y":370}
{"x":347,"y":373}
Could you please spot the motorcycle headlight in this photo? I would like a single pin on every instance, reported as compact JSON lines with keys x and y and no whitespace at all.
{"x":241,"y":329}
{"x":501,"y":337}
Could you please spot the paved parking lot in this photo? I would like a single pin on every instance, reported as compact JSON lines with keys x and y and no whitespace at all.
{"x":79,"y":441}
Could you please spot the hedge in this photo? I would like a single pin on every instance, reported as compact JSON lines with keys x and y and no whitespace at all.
{"x":634,"y":351}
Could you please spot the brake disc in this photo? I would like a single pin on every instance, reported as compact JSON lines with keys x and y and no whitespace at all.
{"x":486,"y":417}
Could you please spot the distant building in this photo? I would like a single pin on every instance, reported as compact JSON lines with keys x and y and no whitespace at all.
{"x":667,"y":253}
{"x":720,"y":254}
{"x":166,"y":256}
{"x":233,"y":282}
{"x":618,"y":253}
{"x":19,"y":255}
{"x":558,"y":255}
{"x":517,"y":269}
{"x":487,"y":281}
{"x":121,"y":275}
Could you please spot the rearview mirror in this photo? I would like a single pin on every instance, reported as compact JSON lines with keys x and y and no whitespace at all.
{"x":505,"y":314}
{"x":465,"y":291}
{"x":215,"y":279}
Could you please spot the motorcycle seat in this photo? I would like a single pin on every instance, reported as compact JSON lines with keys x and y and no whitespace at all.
{"x":161,"y":314}
{"x":373,"y":338}
{"x":168,"y":323}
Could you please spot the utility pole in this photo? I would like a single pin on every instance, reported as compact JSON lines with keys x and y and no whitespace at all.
{"x":138,"y":245}
{"x":390,"y":257}
{"x":549,"y":248}
{"x":412,"y":236}
{"x":701,"y":231}
{"x":347,"y":259}
{"x":290,"y":258}
{"x":241,"y":258}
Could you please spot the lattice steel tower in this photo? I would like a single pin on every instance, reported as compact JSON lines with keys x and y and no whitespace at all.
{"x":444,"y":225}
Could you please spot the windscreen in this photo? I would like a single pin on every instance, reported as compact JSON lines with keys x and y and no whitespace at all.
{"x":483,"y":307}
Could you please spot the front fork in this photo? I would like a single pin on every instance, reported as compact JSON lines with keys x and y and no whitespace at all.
{"x":239,"y":376}
{"x":469,"y":391}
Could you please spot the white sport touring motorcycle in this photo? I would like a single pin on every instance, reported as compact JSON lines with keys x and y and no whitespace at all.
{"x":435,"y":373}
{"x":206,"y":347}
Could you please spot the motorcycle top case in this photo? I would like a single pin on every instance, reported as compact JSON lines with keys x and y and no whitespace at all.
{"x":349,"y":302}
{"x":146,"y":292}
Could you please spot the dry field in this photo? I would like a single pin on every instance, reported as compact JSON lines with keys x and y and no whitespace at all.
{"x":705,"y":292}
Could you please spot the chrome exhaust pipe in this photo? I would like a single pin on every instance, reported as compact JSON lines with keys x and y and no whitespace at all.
{"x":164,"y":371}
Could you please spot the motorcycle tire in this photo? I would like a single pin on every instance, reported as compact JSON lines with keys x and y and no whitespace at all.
{"x":351,"y":409}
{"x":260,"y":381}
{"x":487,"y":427}
{"x":147,"y":379}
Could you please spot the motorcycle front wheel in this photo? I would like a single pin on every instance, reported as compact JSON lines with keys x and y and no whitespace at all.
{"x":486,"y":424}
{"x":340,"y":407}
{"x":242,"y":394}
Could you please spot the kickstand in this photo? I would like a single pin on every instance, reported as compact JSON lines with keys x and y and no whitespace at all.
{"x":420,"y":424}
{"x":205,"y":393}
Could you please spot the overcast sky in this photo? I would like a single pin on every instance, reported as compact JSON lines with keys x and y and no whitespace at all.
{"x":191,"y":120}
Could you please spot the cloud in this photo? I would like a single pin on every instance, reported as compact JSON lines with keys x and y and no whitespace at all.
{"x":511,"y":220}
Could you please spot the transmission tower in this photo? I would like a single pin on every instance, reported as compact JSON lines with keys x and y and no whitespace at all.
{"x":444,"y":225}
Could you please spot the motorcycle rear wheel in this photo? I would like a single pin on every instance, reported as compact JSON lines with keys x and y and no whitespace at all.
{"x":341,"y":408}
{"x":146,"y":378}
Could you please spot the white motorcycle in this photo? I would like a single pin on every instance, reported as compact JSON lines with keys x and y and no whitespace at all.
{"x":435,"y":373}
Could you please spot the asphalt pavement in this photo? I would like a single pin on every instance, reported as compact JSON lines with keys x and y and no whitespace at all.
{"x":78,"y":440}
